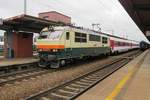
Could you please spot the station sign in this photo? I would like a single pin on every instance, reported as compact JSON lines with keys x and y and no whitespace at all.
{"x":1,"y":21}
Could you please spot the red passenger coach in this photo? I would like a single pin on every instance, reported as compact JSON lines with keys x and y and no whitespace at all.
{"x":119,"y":44}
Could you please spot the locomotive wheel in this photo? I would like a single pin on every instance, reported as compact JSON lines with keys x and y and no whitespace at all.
{"x":62,"y":62}
{"x":57,"y":64}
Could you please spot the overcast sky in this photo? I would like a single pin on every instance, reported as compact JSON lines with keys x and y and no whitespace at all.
{"x":108,"y":13}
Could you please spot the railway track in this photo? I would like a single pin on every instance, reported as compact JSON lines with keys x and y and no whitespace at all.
{"x":11,"y":78}
{"x":17,"y":68}
{"x":73,"y":88}
{"x":23,"y":75}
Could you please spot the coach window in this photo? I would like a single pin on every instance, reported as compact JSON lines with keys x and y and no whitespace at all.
{"x":80,"y":37}
{"x":83,"y":37}
{"x":67,"y":35}
{"x":94,"y":38}
{"x":104,"y":40}
{"x":118,"y":43}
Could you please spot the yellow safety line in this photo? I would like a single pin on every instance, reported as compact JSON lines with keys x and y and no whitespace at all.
{"x":120,"y":85}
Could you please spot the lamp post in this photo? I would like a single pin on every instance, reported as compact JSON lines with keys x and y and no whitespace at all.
{"x":1,"y":21}
{"x":25,"y":7}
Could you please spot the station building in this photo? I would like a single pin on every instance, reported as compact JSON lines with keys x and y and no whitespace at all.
{"x":55,"y":16}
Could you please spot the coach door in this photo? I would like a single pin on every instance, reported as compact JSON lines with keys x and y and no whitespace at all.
{"x":112,"y":44}
{"x":68,"y":48}
{"x":67,"y":40}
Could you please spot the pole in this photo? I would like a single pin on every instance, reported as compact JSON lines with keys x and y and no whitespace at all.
{"x":25,"y":7}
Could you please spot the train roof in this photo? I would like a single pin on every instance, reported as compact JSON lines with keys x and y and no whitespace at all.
{"x":110,"y":35}
{"x":91,"y":31}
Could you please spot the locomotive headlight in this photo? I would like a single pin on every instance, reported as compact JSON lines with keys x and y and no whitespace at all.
{"x":39,"y":49}
{"x":55,"y":50}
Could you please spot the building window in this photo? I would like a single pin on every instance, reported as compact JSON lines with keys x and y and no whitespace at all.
{"x":104,"y":40}
{"x":45,"y":17}
{"x":67,"y":35}
{"x":80,"y":37}
{"x":94,"y":38}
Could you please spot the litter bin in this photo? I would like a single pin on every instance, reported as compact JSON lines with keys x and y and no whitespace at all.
{"x":10,"y":53}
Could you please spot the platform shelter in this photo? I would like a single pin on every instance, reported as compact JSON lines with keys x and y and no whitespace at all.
{"x":18,"y":38}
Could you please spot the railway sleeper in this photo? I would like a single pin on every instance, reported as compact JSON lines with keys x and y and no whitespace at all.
{"x":82,"y":83}
{"x":45,"y":98}
{"x":90,"y":79}
{"x":87,"y":81}
{"x":93,"y":77}
{"x":60,"y":96}
{"x":78,"y":86}
{"x":65,"y":91}
{"x":72,"y":88}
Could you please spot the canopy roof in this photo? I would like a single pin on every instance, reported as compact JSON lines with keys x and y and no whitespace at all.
{"x":27,"y":23}
{"x":139,"y":10}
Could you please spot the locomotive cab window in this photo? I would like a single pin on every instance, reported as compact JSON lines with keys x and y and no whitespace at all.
{"x":67,"y":35}
{"x":55,"y":35}
{"x":43,"y":35}
{"x":104,"y":40}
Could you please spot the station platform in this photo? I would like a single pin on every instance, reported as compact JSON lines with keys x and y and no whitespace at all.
{"x":17,"y":61}
{"x":131,"y":82}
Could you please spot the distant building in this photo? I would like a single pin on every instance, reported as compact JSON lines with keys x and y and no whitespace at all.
{"x":55,"y":16}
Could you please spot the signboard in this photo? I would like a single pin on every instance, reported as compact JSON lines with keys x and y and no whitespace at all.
{"x":147,"y":33}
{"x":1,"y":21}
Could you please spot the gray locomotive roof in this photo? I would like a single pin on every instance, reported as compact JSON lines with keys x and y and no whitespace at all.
{"x":81,"y":29}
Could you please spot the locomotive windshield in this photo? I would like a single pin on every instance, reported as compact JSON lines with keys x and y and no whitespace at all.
{"x":43,"y":35}
{"x":55,"y":35}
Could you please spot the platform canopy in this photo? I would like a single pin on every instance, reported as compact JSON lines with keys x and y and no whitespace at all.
{"x":27,"y":23}
{"x":139,"y":10}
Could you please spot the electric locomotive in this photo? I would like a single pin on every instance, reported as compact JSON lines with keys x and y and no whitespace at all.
{"x":58,"y":45}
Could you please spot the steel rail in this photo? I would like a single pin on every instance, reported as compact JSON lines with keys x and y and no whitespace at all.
{"x":10,"y":79}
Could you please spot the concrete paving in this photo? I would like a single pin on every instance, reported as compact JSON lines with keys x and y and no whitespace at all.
{"x":131,"y":82}
{"x":139,"y":87}
{"x":7,"y":62}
